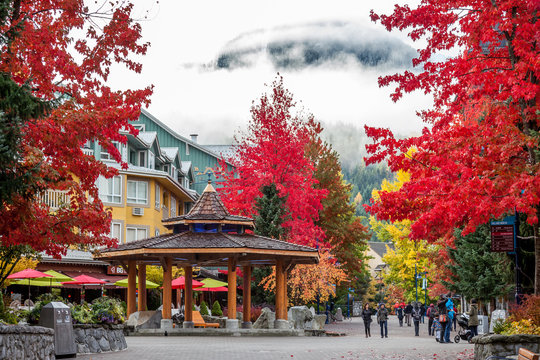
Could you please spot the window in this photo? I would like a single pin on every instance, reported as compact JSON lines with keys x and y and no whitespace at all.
{"x":105,"y":154}
{"x":110,"y":190}
{"x":137,"y":192}
{"x":157,"y":232}
{"x":151,"y":160}
{"x":116,"y":231}
{"x":139,"y":127}
{"x":187,"y":149}
{"x":142,"y":158}
{"x":158,"y":197}
{"x":134,"y":233}
{"x":174,"y":172}
{"x":166,"y":168}
{"x":173,"y":206}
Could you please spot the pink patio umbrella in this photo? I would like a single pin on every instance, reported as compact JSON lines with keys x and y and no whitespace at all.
{"x":28,"y":274}
{"x":84,"y":280}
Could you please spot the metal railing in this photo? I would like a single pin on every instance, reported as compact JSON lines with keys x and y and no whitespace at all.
{"x":88,"y":151}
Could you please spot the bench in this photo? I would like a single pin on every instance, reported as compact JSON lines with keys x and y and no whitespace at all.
{"x":525,"y":354}
{"x":198,"y":321}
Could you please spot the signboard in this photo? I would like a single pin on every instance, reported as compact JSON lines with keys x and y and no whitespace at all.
{"x":116,"y":270}
{"x":503,"y":235}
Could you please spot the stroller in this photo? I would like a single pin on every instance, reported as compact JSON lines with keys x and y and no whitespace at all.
{"x":437,"y":328}
{"x":464,"y":332}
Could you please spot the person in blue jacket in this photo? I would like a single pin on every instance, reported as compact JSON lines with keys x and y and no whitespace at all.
{"x":451,"y":316}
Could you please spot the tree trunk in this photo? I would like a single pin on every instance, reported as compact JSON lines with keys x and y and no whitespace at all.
{"x":536,"y":260}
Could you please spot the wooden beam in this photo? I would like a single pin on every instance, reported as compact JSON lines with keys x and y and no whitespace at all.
{"x":281,"y":291}
{"x":164,"y":264}
{"x":132,"y":284}
{"x":142,"y":287}
{"x":188,"y":308}
{"x":231,"y":293}
{"x":246,"y":300}
{"x":167,"y":289}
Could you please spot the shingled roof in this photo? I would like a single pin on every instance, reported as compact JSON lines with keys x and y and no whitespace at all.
{"x":209,"y":208}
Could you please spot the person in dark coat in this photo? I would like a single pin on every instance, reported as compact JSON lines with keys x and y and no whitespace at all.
{"x":423,"y":310}
{"x":443,"y":316}
{"x":416,"y":317}
{"x":366,"y":316}
{"x":382,"y":319}
{"x":408,"y":312}
{"x":431,"y":314}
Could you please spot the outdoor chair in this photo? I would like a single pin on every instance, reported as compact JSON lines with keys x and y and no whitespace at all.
{"x":198,"y":321}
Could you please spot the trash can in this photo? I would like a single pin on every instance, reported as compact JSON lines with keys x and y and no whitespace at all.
{"x":57,"y":316}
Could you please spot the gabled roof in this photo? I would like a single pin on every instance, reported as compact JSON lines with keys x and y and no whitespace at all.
{"x":170,"y":152}
{"x":380,"y":247}
{"x":148,"y":137}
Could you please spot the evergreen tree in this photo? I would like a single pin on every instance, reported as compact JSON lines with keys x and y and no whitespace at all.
{"x":270,"y":212}
{"x":476,"y":272}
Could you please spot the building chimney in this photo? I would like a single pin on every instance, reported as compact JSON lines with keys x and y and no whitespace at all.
{"x":194,"y":137}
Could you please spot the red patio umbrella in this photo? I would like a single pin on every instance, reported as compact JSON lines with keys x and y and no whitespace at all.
{"x":180,"y":283}
{"x":28,"y":274}
{"x":216,"y":289}
{"x":84,"y":280}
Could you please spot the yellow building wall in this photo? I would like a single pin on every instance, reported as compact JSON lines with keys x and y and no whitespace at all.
{"x":152,"y":218}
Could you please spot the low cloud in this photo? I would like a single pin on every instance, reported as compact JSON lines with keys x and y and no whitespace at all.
{"x":331,"y":44}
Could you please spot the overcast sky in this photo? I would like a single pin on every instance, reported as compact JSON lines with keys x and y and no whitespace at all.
{"x":209,"y":60}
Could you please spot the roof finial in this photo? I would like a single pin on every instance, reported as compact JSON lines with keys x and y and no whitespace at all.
{"x":209,"y":179}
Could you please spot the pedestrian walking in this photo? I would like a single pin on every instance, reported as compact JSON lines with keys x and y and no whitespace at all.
{"x":431,"y":313}
{"x":408,"y":312}
{"x":382,"y":319}
{"x":416,"y":317}
{"x":366,"y":316}
{"x":443,"y":316}
{"x":399,"y":313}
{"x":423,"y":310}
{"x":454,"y":320}
{"x":473,"y":318}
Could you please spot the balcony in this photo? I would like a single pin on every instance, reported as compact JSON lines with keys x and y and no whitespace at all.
{"x":87,"y":151}
{"x":55,"y":198}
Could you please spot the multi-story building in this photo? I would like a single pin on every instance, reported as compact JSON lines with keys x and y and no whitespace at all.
{"x":165,"y":174}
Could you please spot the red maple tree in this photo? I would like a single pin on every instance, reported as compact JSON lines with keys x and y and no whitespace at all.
{"x":272,"y":151}
{"x":479,"y":157}
{"x":64,"y":50}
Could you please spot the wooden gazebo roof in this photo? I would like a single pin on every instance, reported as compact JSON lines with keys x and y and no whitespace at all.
{"x":208,"y":236}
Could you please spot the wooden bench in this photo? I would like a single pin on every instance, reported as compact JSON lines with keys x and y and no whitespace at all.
{"x":198,"y":321}
{"x":525,"y":354}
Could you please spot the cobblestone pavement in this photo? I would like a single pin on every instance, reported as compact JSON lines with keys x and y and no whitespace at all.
{"x":400,"y":344}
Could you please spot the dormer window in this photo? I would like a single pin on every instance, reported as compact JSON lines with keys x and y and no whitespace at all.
{"x":105,"y":154}
{"x":142,"y":158}
{"x":151,"y":160}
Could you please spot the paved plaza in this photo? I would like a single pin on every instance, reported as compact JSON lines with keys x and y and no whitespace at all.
{"x":400,"y":344}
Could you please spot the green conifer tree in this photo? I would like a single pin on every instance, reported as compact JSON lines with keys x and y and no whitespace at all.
{"x":270,"y":213}
{"x":476,"y":271}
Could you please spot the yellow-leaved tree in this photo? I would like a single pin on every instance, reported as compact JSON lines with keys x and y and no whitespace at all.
{"x":405,"y":255}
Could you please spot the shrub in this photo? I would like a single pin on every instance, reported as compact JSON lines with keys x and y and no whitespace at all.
{"x":204,"y":309}
{"x":82,"y":314}
{"x":528,"y":310}
{"x":107,"y":310}
{"x":33,"y":315}
{"x":216,"y":309}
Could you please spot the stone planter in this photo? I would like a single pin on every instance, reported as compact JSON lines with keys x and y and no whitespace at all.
{"x":92,"y":338}
{"x":26,"y":342}
{"x":503,"y":345}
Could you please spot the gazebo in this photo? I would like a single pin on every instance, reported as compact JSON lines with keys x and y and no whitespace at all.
{"x":209,"y":236}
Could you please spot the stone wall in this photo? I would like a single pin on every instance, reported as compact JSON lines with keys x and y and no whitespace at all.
{"x":26,"y":342}
{"x":99,"y":338}
{"x":502,"y":345}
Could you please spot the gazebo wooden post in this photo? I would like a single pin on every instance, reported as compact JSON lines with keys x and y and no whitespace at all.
{"x":142,"y":287}
{"x":246,"y":301}
{"x":232,"y":321}
{"x":281,"y":296}
{"x":166,"y":321}
{"x":188,"y":289}
{"x":132,"y":285}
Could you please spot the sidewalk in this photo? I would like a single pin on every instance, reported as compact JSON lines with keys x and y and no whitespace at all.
{"x":400,"y":344}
